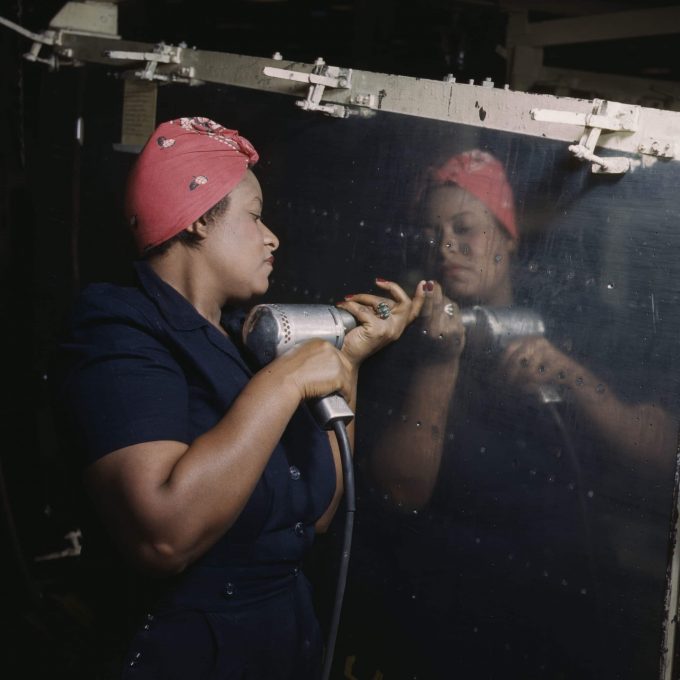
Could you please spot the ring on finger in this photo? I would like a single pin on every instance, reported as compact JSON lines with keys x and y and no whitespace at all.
{"x":382,"y":309}
{"x":450,"y":309}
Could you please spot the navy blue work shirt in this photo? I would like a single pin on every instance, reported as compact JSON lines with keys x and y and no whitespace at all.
{"x":140,"y":365}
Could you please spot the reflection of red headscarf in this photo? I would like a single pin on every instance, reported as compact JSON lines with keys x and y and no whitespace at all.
{"x":186,"y":167}
{"x":484,"y":177}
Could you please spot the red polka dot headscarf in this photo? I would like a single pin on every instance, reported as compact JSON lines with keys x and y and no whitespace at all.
{"x":479,"y":173}
{"x":186,"y":167}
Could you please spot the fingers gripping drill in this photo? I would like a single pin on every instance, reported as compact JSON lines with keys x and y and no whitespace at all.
{"x":270,"y":330}
{"x":492,"y":329}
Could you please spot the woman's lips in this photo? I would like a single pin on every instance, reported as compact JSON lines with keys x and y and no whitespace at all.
{"x":452,"y":269}
{"x":270,"y":260}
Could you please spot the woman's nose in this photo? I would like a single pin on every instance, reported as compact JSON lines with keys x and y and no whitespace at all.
{"x":449,"y":245}
{"x":270,"y":237}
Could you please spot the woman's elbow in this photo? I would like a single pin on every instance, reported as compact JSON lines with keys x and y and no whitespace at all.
{"x":160,"y":558}
{"x":407,"y":493}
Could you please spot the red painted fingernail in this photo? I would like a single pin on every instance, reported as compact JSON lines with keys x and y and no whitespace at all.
{"x":347,"y":297}
{"x":377,"y":278}
{"x":429,"y":285}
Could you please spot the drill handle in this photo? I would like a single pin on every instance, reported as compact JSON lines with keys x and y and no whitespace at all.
{"x":330,"y":409}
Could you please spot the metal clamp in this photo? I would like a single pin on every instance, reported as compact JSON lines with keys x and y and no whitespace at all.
{"x":97,"y":19}
{"x":610,"y":116}
{"x":162,"y":54}
{"x":321,"y":77}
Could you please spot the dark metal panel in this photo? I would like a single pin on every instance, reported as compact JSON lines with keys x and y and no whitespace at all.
{"x":543,"y":552}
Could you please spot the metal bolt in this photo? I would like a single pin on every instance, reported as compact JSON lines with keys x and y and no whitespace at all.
{"x":449,"y":78}
{"x":277,"y":56}
{"x":342,"y":82}
{"x":487,"y":82}
{"x":642,"y":148}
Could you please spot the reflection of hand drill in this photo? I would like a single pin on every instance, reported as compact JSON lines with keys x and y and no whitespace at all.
{"x":492,"y":329}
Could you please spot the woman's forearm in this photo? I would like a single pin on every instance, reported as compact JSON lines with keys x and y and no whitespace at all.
{"x":168,"y":502}
{"x":406,"y":458}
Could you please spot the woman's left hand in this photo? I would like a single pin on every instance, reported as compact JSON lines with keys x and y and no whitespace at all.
{"x":532,"y":363}
{"x":380,"y":320}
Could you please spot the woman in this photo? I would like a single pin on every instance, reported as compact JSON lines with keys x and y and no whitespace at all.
{"x":493,"y":570}
{"x":204,"y":469}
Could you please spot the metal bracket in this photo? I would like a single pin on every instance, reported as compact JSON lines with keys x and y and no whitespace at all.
{"x":87,"y":17}
{"x":609,"y":116}
{"x":321,"y":77}
{"x":162,"y":54}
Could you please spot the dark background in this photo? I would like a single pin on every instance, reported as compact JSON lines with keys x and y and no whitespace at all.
{"x":43,"y":627}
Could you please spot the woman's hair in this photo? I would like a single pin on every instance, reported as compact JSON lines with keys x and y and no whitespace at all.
{"x":188,"y":238}
{"x":187,"y":166}
{"x":480,"y":174}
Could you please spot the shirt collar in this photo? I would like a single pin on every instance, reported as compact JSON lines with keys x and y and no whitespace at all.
{"x":183,"y":316}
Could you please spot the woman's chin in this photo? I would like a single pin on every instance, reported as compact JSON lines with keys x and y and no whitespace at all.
{"x":463,"y":294}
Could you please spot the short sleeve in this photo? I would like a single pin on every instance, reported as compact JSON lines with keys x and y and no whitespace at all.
{"x":119,"y":386}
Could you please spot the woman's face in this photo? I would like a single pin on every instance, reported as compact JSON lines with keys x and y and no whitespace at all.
{"x":471,"y":253}
{"x":239,"y":245}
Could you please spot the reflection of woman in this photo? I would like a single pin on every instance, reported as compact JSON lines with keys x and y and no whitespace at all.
{"x":468,"y":212}
{"x":492,"y":571}
{"x":203,"y":469}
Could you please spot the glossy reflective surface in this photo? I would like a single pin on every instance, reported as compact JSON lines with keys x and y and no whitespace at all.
{"x":515,"y":490}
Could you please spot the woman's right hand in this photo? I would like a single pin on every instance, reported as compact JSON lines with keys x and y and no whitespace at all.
{"x":440,"y":322}
{"x":316,"y":368}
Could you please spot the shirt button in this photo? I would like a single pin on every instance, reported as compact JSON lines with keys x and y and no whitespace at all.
{"x":299,"y":529}
{"x":229,"y":590}
{"x":294,"y":472}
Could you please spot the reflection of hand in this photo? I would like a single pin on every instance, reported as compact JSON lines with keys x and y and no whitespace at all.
{"x":533,"y":362}
{"x":441,"y":322}
{"x":374,"y":332}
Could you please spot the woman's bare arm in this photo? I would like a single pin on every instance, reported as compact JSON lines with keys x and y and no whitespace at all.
{"x":167,"y":502}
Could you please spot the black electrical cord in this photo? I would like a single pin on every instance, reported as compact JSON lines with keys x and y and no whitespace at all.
{"x":340,"y":430}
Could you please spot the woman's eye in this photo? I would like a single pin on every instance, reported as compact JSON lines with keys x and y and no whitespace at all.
{"x":256,"y":217}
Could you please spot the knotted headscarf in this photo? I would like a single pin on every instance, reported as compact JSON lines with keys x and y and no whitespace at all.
{"x":479,"y":173}
{"x":186,"y":167}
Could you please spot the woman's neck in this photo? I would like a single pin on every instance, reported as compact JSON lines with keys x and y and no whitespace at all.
{"x":178,"y":268}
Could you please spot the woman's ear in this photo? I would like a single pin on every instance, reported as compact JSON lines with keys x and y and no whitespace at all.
{"x":198,"y":228}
